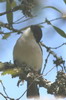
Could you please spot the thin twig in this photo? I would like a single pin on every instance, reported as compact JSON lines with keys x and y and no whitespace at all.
{"x":58,"y":46}
{"x":6,"y":97}
{"x":4,"y":88}
{"x":49,"y":50}
{"x":51,"y":20}
{"x":19,"y":19}
{"x":3,"y":95}
{"x":49,"y":71}
{"x":46,"y":60}
{"x":24,"y":20}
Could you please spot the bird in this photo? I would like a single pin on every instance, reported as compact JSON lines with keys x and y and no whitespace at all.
{"x":28,"y":50}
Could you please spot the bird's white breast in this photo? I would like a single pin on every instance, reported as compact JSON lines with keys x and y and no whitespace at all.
{"x":28,"y":51}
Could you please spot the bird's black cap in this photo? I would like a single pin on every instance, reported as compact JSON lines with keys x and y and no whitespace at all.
{"x":37,"y":32}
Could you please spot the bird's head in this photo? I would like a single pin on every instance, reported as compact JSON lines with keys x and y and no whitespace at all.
{"x":37,"y":32}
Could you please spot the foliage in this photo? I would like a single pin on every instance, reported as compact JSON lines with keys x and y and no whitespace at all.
{"x":11,"y":6}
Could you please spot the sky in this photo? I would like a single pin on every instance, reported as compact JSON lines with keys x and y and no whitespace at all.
{"x":50,"y":38}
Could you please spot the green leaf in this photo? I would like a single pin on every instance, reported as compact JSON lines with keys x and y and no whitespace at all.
{"x":6,"y":36}
{"x":13,"y":4}
{"x":9,"y":71}
{"x":58,"y":30}
{"x":10,"y":14}
{"x":54,"y":8}
{"x":64,"y":1}
{"x":13,"y":72}
{"x":61,"y":32}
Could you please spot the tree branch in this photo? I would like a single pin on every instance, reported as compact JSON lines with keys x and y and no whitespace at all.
{"x":28,"y":74}
{"x":9,"y":27}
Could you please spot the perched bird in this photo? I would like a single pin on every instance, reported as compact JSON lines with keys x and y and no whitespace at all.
{"x":28,"y":50}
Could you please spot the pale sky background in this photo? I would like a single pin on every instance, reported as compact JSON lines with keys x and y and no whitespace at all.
{"x":50,"y":38}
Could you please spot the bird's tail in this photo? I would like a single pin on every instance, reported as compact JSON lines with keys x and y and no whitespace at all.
{"x":32,"y":90}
